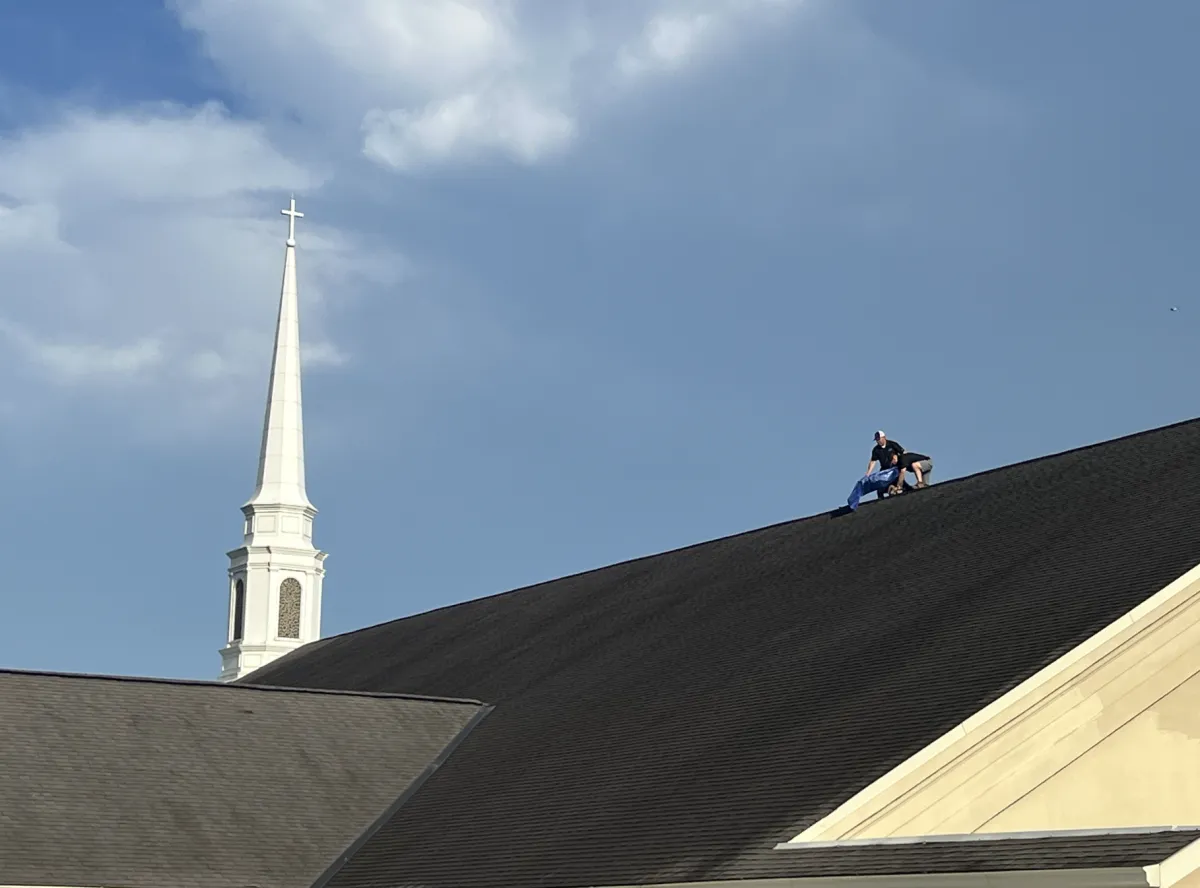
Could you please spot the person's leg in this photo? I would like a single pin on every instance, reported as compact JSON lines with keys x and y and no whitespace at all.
{"x":904,"y":464}
{"x":916,"y":463}
{"x":923,"y":468}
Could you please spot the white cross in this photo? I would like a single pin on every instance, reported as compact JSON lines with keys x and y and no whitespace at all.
{"x":292,"y":217}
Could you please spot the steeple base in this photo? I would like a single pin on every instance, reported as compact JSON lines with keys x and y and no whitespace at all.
{"x":239,"y":660}
{"x":274,"y":604}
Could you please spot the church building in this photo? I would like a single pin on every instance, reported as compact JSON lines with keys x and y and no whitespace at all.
{"x":993,"y":682}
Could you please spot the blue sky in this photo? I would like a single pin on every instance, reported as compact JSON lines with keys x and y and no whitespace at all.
{"x":581,"y":281}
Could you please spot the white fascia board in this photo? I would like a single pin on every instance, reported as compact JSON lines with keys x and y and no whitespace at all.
{"x":1183,"y":863}
{"x":1112,"y":877}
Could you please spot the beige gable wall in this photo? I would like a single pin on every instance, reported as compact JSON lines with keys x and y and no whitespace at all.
{"x":1146,"y":773}
{"x":1108,"y":736}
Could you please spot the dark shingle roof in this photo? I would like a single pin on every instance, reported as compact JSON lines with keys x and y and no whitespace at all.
{"x":977,"y":854}
{"x":145,"y":783}
{"x":672,"y":718}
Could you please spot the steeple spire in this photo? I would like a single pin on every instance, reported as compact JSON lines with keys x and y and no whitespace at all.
{"x":281,"y":459}
{"x":276,"y":576}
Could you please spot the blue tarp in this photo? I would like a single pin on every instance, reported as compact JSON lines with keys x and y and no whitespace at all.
{"x":871,"y":483}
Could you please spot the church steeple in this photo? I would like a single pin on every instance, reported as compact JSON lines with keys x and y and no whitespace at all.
{"x":281,"y":459}
{"x":276,"y":576}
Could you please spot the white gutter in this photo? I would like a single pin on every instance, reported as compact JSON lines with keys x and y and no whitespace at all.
{"x":1115,"y":877}
{"x":1169,"y":873}
{"x":1179,"y":866}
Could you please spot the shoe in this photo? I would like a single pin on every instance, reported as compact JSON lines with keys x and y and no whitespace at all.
{"x":921,"y":485}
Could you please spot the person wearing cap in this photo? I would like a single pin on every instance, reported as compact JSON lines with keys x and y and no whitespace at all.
{"x":885,"y":453}
{"x":890,"y":454}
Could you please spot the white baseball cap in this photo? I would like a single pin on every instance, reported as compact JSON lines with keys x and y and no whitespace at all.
{"x":879,"y":435}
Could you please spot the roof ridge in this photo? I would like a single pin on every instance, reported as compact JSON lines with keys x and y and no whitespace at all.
{"x":197,"y":682}
{"x":1068,"y":451}
{"x":772,"y":526}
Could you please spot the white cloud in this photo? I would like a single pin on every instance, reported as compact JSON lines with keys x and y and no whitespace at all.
{"x":314,"y":53}
{"x":78,"y":361}
{"x":682,"y":31}
{"x":467,"y":127}
{"x":428,"y":82}
{"x":144,"y":249}
{"x":322,"y":354}
{"x":141,"y":249}
{"x":31,"y":226}
{"x":156,"y":152}
{"x":666,"y":43}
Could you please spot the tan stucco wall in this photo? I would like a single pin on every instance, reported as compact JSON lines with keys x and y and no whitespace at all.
{"x":985,"y":787}
{"x":1146,"y":773}
{"x":1190,"y":881}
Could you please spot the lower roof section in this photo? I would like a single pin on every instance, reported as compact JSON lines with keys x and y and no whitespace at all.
{"x":144,"y":783}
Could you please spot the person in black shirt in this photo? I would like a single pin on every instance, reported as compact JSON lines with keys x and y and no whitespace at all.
{"x":884,"y":452}
{"x":889,"y":454}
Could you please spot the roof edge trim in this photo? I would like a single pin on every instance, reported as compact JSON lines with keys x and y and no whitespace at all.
{"x":957,"y":838}
{"x":996,"y":717}
{"x":1097,"y":877}
{"x":236,"y":685}
{"x":1180,"y":866}
{"x":401,"y":800}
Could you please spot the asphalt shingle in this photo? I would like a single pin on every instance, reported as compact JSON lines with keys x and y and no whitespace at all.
{"x":672,"y":718}
{"x":143,"y":783}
